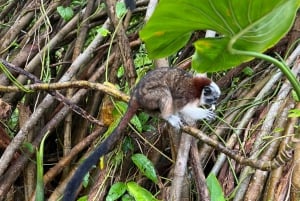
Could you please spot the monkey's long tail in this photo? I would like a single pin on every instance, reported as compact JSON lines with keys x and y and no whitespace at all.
{"x":104,"y":148}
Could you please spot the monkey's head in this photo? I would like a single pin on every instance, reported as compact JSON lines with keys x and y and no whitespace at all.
{"x":210,"y":94}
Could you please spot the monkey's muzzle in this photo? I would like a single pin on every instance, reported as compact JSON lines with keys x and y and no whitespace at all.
{"x":211,"y":107}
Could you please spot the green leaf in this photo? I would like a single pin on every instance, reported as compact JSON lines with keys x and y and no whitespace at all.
{"x":215,"y":189}
{"x":121,"y":72}
{"x":145,"y":166}
{"x":277,"y":130}
{"x":39,"y":193}
{"x":249,"y":25}
{"x":139,"y":193}
{"x":295,"y":96}
{"x":103,"y":31}
{"x":118,"y":158}
{"x":13,"y":79}
{"x":135,"y":120}
{"x":86,"y":180}
{"x":211,"y":55}
{"x":127,"y":197}
{"x":142,"y":58}
{"x":116,"y":191}
{"x":28,"y":146}
{"x":120,"y":9}
{"x":248,"y":71}
{"x":83,"y":198}
{"x":143,"y":117}
{"x":127,"y":145}
{"x":294,"y":113}
{"x":137,"y":123}
{"x":169,"y":45}
{"x":65,"y":12}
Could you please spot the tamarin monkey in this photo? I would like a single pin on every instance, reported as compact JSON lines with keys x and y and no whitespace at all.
{"x":174,"y":92}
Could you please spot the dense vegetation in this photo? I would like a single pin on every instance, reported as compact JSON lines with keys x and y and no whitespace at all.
{"x":67,"y":69}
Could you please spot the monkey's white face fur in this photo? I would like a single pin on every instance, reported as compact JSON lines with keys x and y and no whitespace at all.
{"x":192,"y":112}
{"x":210,"y":95}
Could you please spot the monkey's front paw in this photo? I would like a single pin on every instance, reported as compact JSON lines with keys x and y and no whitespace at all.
{"x":175,"y":121}
{"x":210,"y":115}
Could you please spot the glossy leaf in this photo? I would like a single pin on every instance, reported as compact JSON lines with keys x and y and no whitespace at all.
{"x":65,"y":12}
{"x":215,"y":189}
{"x":116,"y":191}
{"x":135,"y":120}
{"x":28,"y":146}
{"x":248,"y":71}
{"x":249,"y":25}
{"x":120,"y":9}
{"x":127,"y":197}
{"x":145,"y":166}
{"x":211,"y":55}
{"x":39,"y":192}
{"x":103,"y":31}
{"x":139,"y":193}
{"x":83,"y":198}
{"x":86,"y":179}
{"x":128,"y":144}
{"x":294,"y":113}
{"x":137,"y":123}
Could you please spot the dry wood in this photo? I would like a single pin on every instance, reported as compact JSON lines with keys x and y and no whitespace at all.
{"x":36,"y":39}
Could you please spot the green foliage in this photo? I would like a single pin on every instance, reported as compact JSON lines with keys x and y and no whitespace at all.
{"x":78,"y":3}
{"x":122,"y":107}
{"x":65,"y":12}
{"x":28,"y":146}
{"x":39,"y":196}
{"x":139,"y":193}
{"x":145,"y":166}
{"x":13,"y":79}
{"x":103,"y":31}
{"x":139,"y":122}
{"x":120,"y":72}
{"x":249,"y":25}
{"x":127,"y":144}
{"x":144,"y":118}
{"x":248,"y":71}
{"x":215,"y":189}
{"x":120,"y":9}
{"x":83,"y":198}
{"x":277,"y":130}
{"x":86,"y":180}
{"x":294,"y":113}
{"x":116,"y":191}
{"x":127,"y":197}
{"x":118,"y":158}
{"x":141,"y":57}
{"x":13,"y":121}
{"x":295,"y":96}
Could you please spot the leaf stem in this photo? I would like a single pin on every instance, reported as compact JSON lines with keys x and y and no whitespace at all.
{"x":281,"y":65}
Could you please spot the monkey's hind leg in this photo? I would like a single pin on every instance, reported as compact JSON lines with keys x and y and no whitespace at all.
{"x":167,"y":110}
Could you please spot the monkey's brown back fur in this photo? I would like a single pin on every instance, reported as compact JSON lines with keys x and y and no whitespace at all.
{"x":155,"y":89}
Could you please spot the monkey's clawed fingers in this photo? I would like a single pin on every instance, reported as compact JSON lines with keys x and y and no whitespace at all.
{"x":210,"y":115}
{"x":175,"y":121}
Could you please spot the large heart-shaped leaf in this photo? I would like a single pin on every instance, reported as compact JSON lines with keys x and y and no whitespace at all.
{"x":248,"y":25}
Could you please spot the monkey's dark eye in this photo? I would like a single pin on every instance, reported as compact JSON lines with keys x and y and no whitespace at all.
{"x":207,"y":91}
